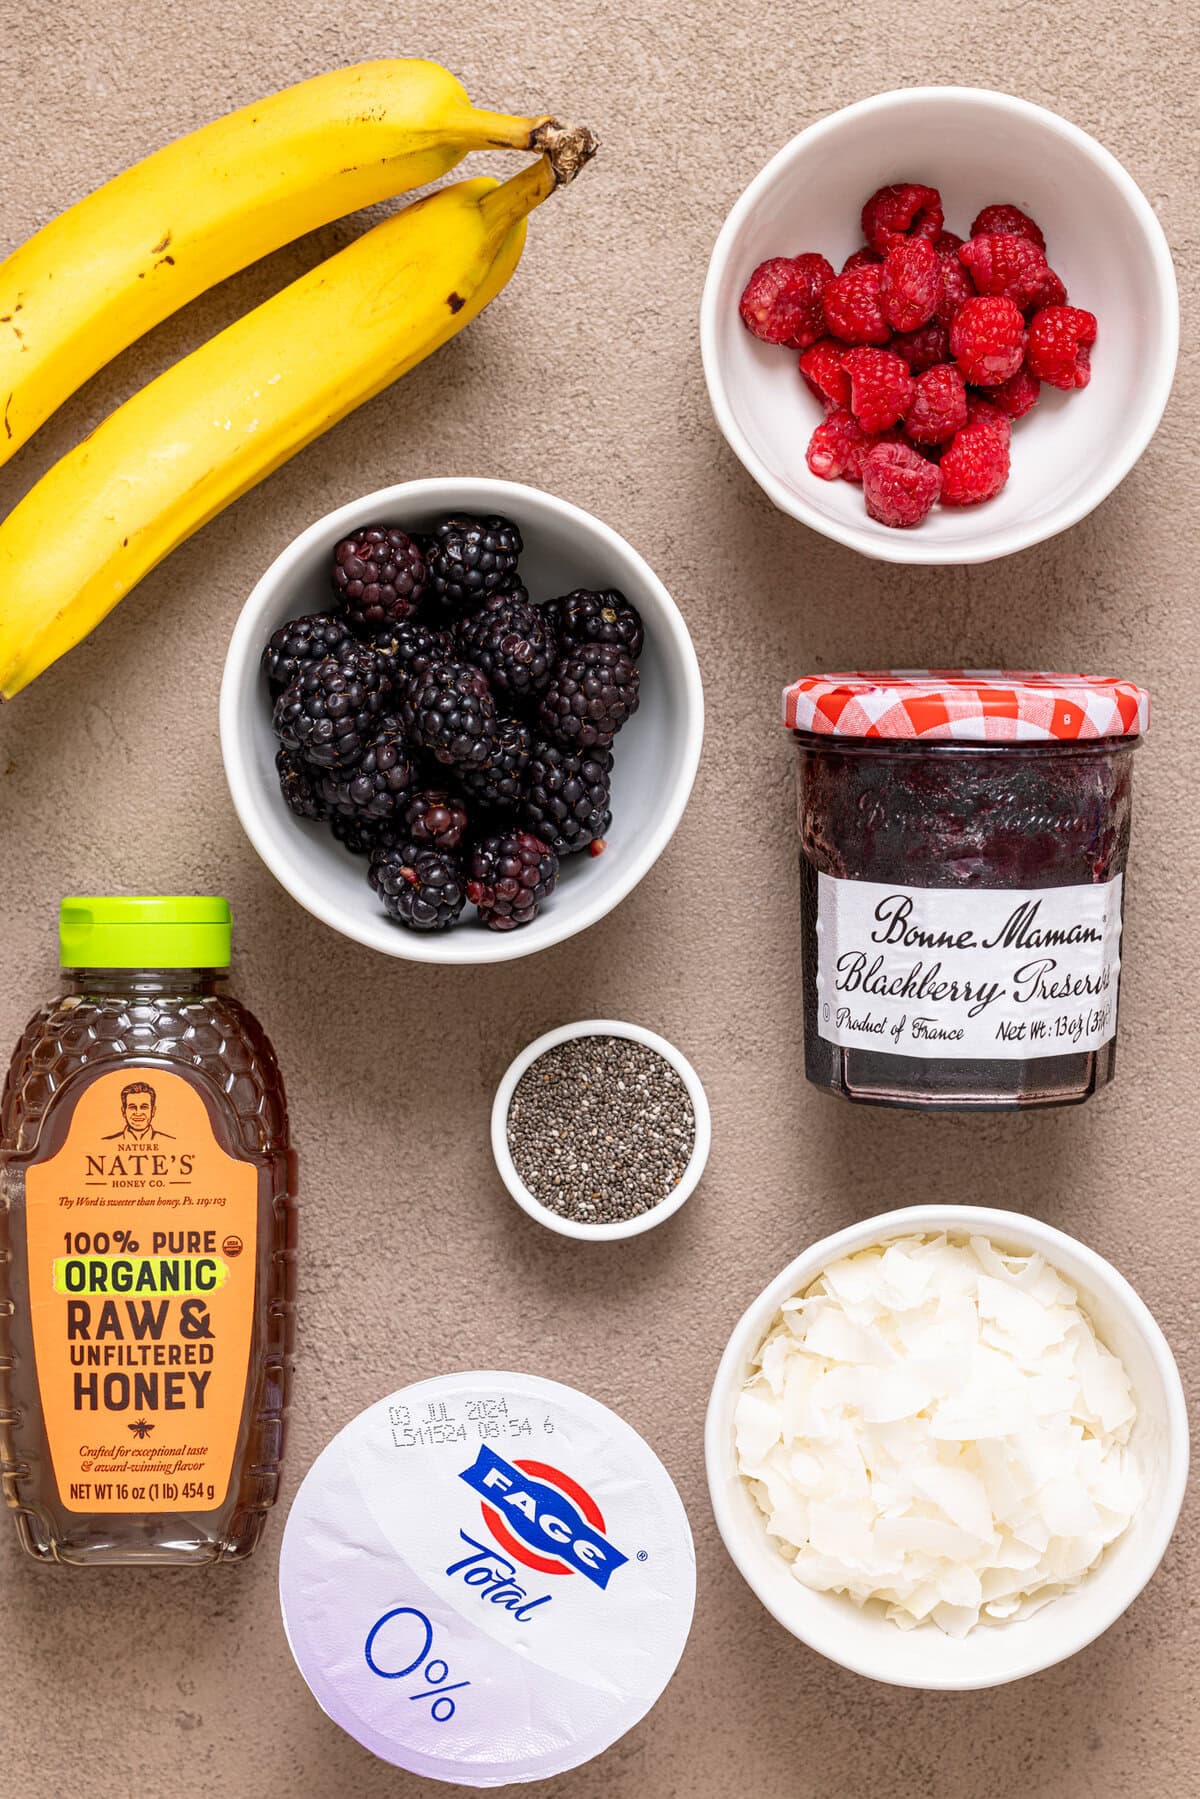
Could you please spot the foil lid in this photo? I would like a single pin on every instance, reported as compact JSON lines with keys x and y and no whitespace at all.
{"x":487,"y":1578}
{"x":968,"y":705}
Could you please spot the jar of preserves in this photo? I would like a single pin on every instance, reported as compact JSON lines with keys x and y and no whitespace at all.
{"x":147,"y":1249}
{"x":963,"y":839}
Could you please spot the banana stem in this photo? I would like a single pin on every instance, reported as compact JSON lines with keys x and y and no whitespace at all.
{"x":500,"y":131}
{"x":567,"y":146}
{"x":565,"y":150}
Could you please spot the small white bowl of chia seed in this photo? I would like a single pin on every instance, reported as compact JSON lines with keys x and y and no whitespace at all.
{"x":601,"y":1130}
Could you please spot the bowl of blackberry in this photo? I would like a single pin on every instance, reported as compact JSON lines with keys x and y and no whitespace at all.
{"x":460,"y":719}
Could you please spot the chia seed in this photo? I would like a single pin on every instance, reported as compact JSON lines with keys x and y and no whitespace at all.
{"x":601,"y":1129}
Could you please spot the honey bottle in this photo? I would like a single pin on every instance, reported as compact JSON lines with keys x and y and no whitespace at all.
{"x":147,"y":1249}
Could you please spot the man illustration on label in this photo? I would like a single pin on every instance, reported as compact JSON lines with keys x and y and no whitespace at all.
{"x":137,"y":1105}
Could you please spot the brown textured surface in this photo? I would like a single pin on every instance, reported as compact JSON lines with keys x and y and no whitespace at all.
{"x":110,"y":778}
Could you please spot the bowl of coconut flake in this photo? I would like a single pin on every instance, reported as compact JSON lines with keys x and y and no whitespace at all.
{"x":947,"y":1447}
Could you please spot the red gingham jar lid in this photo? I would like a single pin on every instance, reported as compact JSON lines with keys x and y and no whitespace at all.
{"x":965,"y":705}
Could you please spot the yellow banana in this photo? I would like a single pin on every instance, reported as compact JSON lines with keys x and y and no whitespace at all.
{"x":117,"y":263}
{"x":223,"y":418}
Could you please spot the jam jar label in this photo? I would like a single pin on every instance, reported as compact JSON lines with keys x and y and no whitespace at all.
{"x":999,"y":973}
{"x":141,"y":1236}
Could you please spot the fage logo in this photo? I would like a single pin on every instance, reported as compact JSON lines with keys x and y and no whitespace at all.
{"x":543,"y":1518}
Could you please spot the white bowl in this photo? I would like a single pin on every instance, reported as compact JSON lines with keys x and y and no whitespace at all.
{"x":976,"y":147}
{"x":656,"y":753}
{"x":865,"y":1641}
{"x":628,"y":1227}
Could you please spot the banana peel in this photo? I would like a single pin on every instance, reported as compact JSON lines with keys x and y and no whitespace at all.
{"x":222,"y":419}
{"x":110,"y":268}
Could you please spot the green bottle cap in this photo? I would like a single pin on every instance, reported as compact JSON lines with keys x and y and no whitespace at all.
{"x":151,"y":931}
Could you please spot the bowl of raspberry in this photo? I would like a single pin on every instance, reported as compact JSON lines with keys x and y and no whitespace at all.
{"x":940,"y":326}
{"x":460,"y":720}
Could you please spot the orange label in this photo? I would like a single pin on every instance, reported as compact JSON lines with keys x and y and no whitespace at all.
{"x":142,"y":1240}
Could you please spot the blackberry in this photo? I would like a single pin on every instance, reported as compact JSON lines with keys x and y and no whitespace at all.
{"x":585,"y":616}
{"x":510,"y":877}
{"x":330,"y":711}
{"x":448,"y":710}
{"x":379,"y":576}
{"x":402,"y":648}
{"x":592,"y":692}
{"x":359,"y":834}
{"x":502,"y":783}
{"x":512,"y":642}
{"x":468,"y":558}
{"x":435,"y":820}
{"x":422,"y":887}
{"x":381,"y":782}
{"x":297,"y":785}
{"x":567,"y":796}
{"x":301,"y":642}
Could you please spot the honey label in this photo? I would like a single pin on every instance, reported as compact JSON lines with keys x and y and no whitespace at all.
{"x":141,"y":1237}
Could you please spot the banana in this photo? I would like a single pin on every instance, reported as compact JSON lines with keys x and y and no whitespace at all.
{"x":219,"y":421}
{"x":89,"y":283}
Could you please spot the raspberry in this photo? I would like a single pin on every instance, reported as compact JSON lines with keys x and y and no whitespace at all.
{"x":821,"y":366}
{"x":1017,"y":395}
{"x":899,"y":486}
{"x":903,"y":210}
{"x":782,"y":300}
{"x":1008,"y":220}
{"x":988,"y":339}
{"x":982,"y":412}
{"x":881,"y":388}
{"x":1060,"y":346}
{"x":957,"y":287}
{"x":912,"y":283}
{"x":1050,"y":292}
{"x":939,"y":406}
{"x":839,"y":446}
{"x":1005,"y":264}
{"x":925,"y":348}
{"x":854,"y":308}
{"x":975,"y":467}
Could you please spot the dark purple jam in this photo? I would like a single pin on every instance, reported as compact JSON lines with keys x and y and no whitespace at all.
{"x":935,"y":814}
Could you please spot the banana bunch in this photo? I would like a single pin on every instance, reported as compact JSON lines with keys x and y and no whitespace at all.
{"x":226,"y":416}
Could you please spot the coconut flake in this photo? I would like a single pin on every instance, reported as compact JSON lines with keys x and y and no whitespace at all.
{"x":934,"y":1427}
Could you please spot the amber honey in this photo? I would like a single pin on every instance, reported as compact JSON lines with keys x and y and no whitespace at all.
{"x":147,"y":1249}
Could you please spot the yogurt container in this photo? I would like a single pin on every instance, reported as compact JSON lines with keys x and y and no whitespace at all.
{"x":963,"y":841}
{"x":487,"y":1578}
